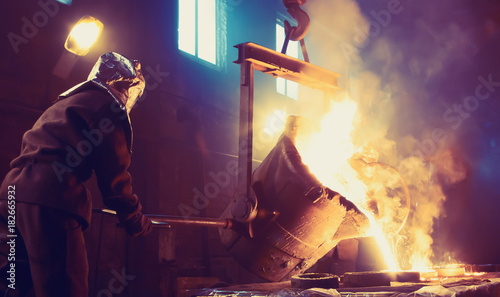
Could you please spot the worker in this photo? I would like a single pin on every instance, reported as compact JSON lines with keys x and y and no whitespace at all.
{"x":44,"y":204}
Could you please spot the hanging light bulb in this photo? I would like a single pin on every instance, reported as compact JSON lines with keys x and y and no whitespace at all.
{"x":83,"y":35}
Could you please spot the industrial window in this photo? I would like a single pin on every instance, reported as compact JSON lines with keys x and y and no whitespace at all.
{"x":198,"y":29}
{"x":284,"y":86}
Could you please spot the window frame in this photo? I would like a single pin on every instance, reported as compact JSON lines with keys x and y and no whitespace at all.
{"x":220,"y":35}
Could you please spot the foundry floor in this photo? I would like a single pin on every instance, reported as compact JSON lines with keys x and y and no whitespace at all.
{"x":484,"y":285}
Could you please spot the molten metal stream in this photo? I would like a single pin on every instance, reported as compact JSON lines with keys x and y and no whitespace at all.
{"x":387,"y":252}
{"x":327,"y":154}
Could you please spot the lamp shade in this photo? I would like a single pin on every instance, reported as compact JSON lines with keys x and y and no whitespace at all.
{"x":83,"y":35}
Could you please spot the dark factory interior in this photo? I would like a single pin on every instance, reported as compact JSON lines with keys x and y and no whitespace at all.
{"x":228,"y":83}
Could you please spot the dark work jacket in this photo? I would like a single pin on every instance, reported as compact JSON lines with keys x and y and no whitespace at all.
{"x":82,"y":134}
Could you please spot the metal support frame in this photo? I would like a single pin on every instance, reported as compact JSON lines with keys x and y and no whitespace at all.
{"x":245,"y":202}
{"x":255,"y":57}
{"x":246,"y":124}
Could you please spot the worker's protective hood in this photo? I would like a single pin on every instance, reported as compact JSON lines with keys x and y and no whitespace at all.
{"x":121,"y":78}
{"x":117,"y":75}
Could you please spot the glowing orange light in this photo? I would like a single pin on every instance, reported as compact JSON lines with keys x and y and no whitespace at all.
{"x":83,"y":35}
{"x":327,"y":153}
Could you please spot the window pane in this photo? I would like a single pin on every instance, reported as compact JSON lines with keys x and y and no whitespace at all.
{"x":292,"y":89}
{"x":280,"y":37}
{"x":187,"y":26}
{"x":67,"y":2}
{"x":206,"y":30}
{"x":280,"y":85}
{"x":293,"y":49}
{"x":283,"y":86}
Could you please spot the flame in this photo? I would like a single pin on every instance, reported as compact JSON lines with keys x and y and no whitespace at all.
{"x":475,"y":273}
{"x":387,"y":251}
{"x":328,"y":151}
{"x":327,"y":154}
{"x":420,"y":258}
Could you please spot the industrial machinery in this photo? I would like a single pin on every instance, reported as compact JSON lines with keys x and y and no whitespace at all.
{"x":282,"y":219}
{"x":297,"y":221}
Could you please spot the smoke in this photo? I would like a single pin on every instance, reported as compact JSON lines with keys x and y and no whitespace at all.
{"x":395,"y":59}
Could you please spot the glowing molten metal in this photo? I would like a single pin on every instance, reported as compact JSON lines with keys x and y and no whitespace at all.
{"x":333,"y":158}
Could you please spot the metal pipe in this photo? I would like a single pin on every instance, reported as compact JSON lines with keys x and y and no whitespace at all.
{"x":202,"y":222}
{"x":243,"y":207}
{"x":166,"y":220}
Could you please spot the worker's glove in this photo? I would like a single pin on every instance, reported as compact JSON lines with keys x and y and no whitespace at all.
{"x":137,"y":225}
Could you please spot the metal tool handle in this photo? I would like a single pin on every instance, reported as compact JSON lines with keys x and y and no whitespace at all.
{"x":167,"y":220}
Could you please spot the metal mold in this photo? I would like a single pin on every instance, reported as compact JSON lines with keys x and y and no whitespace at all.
{"x":315,"y":280}
{"x":298,"y":219}
{"x":367,"y":279}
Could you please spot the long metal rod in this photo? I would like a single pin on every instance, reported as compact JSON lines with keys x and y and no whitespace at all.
{"x":202,"y":222}
{"x":163,"y":220}
{"x":246,"y":128}
{"x":304,"y":50}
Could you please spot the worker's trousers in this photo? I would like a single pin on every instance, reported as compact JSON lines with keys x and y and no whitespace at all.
{"x":45,"y":251}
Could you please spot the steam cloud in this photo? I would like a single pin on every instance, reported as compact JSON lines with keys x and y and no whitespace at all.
{"x":395,"y":59}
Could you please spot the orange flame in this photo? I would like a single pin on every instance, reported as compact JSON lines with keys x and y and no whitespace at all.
{"x":327,"y":153}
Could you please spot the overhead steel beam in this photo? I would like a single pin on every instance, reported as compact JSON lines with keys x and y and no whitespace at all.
{"x":252,"y":57}
{"x":280,"y":65}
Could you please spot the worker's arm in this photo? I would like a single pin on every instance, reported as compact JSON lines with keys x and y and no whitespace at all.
{"x":111,"y":160}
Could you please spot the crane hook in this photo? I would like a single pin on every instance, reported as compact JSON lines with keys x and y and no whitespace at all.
{"x":303,"y":21}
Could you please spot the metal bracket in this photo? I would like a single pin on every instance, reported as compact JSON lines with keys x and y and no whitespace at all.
{"x":253,"y":57}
